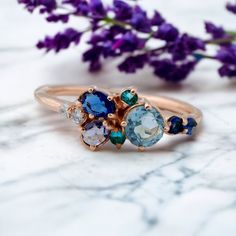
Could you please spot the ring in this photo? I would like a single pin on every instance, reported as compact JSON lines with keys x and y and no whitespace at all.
{"x":104,"y":115}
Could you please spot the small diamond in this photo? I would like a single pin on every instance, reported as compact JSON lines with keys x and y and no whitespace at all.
{"x":129,"y":98}
{"x":63,"y":110}
{"x":95,"y":133}
{"x":78,"y":116}
{"x":144,"y":127}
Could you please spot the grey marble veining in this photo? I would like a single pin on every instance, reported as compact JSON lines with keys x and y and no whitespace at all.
{"x":51,"y":185}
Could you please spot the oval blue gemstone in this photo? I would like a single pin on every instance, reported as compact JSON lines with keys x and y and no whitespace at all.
{"x":97,"y":104}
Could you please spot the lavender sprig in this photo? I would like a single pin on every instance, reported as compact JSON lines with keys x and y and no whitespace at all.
{"x":124,"y":29}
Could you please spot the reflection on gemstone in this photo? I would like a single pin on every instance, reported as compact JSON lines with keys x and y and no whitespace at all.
{"x":95,"y":133}
{"x":144,"y":127}
{"x":97,"y":104}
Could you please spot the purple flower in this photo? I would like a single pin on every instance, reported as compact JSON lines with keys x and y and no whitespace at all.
{"x":123,"y":11}
{"x":81,"y":6}
{"x":227,"y":70}
{"x":132,"y":63}
{"x":167,"y":32}
{"x":60,"y":40}
{"x":47,"y":5}
{"x":172,"y":72}
{"x":157,"y":19}
{"x":129,"y":42}
{"x":116,"y":29}
{"x":107,"y":50}
{"x":184,"y":46}
{"x":231,"y":7}
{"x":97,"y":8}
{"x":56,"y":18}
{"x":215,"y":31}
{"x":227,"y":55}
{"x":93,"y":56}
{"x":139,"y":20}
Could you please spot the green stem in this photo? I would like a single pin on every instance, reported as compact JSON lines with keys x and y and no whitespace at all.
{"x":115,"y":22}
{"x":231,"y":33}
{"x":221,"y":40}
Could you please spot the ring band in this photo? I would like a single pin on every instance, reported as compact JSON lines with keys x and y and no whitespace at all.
{"x":104,"y":115}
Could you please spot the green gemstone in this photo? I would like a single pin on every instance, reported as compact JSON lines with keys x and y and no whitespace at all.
{"x":129,"y":98}
{"x":117,"y":137}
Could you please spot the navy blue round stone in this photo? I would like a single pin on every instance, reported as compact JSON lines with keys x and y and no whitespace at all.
{"x":97,"y":104}
{"x":176,"y":125}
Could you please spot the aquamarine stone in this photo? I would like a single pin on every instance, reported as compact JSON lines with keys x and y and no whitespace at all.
{"x":144,"y":127}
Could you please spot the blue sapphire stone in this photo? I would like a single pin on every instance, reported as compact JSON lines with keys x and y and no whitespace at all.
{"x":97,"y":104}
{"x":190,"y":125}
{"x":176,"y":125}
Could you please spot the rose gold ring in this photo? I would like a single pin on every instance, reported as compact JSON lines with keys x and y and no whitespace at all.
{"x":107,"y":114}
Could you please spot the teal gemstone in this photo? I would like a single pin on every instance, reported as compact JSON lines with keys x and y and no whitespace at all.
{"x":117,"y":137}
{"x":129,"y":98}
{"x":144,"y":127}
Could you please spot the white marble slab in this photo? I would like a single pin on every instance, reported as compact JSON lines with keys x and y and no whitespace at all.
{"x":51,"y":185}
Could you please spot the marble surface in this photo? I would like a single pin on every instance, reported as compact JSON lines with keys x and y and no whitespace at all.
{"x":51,"y":185}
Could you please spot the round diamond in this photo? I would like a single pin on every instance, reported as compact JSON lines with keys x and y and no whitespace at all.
{"x":145,"y":127}
{"x":95,"y":133}
{"x":78,"y":116}
{"x":97,"y":104}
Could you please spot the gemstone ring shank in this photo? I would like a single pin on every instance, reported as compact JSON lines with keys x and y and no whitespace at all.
{"x":119,"y":115}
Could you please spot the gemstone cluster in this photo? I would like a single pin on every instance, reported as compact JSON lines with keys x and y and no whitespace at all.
{"x":120,"y":116}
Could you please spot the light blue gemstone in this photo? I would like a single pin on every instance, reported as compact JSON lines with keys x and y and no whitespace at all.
{"x":144,"y":127}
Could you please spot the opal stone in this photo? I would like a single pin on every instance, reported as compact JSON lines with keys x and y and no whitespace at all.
{"x":144,"y":127}
{"x":95,"y":133}
{"x":117,"y":137}
{"x":97,"y":104}
{"x":129,"y":98}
